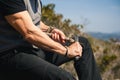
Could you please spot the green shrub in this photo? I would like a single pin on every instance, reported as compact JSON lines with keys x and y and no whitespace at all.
{"x":105,"y":61}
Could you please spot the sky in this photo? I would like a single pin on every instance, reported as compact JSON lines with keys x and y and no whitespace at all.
{"x":97,"y":15}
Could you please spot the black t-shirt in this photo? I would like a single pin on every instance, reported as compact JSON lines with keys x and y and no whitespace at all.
{"x":9,"y":37}
{"x":11,"y":6}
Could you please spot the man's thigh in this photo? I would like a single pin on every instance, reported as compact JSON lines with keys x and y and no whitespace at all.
{"x":29,"y":66}
{"x":24,"y":65}
{"x":56,"y":59}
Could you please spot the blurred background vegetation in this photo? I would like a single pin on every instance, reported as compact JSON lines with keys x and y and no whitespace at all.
{"x":106,"y":53}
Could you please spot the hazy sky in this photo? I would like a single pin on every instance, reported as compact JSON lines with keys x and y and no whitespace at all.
{"x":101,"y":15}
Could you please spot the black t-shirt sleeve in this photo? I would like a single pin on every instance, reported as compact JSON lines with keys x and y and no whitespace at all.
{"x":8,"y":7}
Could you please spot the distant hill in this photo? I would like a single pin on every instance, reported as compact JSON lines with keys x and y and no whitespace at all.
{"x":105,"y":36}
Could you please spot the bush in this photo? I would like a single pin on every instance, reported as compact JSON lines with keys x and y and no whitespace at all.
{"x":106,"y":60}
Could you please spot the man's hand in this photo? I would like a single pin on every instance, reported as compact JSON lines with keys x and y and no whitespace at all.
{"x":74,"y":50}
{"x":58,"y":35}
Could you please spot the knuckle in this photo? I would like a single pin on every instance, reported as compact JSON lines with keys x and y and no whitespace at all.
{"x":77,"y":43}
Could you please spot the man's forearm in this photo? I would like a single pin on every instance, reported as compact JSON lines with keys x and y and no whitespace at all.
{"x":22,"y":23}
{"x":40,"y":39}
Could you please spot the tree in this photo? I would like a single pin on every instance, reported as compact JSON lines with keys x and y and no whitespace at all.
{"x":49,"y":17}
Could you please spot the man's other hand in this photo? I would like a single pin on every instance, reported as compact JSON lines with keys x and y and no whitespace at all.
{"x":58,"y":35}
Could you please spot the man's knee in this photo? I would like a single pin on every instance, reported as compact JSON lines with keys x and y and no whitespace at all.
{"x":83,"y":39}
{"x":84,"y":42}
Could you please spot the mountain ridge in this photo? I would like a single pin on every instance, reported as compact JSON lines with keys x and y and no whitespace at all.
{"x":105,"y":36}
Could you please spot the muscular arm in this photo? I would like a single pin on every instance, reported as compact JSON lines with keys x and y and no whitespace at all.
{"x":22,"y":22}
